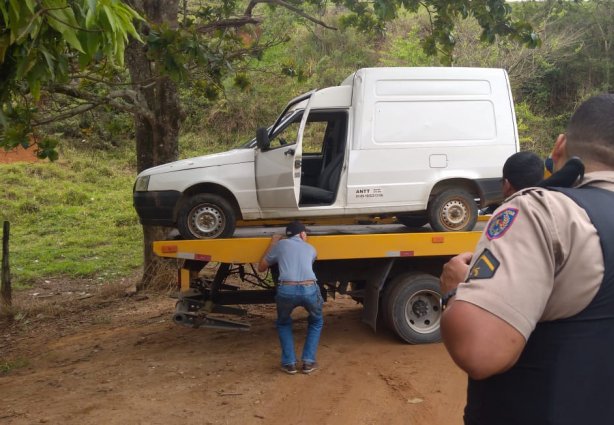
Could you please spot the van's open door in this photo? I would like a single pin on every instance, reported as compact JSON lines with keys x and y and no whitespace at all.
{"x":278,"y":168}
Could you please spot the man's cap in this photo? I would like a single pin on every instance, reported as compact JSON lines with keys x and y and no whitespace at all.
{"x":295,"y":228}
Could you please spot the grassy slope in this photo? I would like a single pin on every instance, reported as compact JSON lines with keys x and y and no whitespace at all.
{"x":71,"y":218}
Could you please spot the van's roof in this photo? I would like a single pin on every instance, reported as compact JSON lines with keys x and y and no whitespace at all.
{"x":422,"y":72}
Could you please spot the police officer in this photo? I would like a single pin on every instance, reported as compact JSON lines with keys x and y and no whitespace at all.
{"x":530,"y":315}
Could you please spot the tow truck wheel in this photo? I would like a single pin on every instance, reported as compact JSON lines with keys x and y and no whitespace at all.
{"x":411,"y":307}
{"x":453,"y":210}
{"x":206,"y":216}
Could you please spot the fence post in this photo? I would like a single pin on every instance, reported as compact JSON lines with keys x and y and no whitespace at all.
{"x":5,"y":276}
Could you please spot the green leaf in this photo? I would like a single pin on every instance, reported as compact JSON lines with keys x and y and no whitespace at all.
{"x":71,"y":38}
{"x":35,"y":88}
{"x":46,"y":148}
{"x":68,"y":16}
{"x":126,"y":16}
{"x":110,"y":17}
{"x":119,"y":54}
{"x":31,"y":5}
{"x":84,"y":60}
{"x":15,"y":8}
{"x":384,"y":9}
{"x":49,"y":58}
{"x":25,"y":65}
{"x":90,"y":18}
{"x":92,"y":42}
{"x":57,"y":21}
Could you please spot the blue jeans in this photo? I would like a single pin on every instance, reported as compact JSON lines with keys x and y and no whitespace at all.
{"x":288,"y":298}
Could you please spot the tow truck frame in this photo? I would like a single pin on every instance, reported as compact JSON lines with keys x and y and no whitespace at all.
{"x":394,"y":275}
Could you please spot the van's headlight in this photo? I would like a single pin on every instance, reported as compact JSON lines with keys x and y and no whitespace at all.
{"x":141,"y":184}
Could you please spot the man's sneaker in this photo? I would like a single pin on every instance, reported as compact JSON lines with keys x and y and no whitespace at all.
{"x":309,"y":367}
{"x":289,"y":369}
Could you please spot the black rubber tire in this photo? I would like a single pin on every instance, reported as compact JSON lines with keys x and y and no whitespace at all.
{"x":206,"y":216}
{"x":411,"y":307}
{"x":453,"y":210}
{"x":410,"y":220}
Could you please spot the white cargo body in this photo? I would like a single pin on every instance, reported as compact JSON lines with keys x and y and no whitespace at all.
{"x":422,"y":144}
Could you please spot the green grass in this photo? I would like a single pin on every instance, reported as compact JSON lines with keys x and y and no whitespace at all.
{"x":7,"y":366}
{"x":72,"y":218}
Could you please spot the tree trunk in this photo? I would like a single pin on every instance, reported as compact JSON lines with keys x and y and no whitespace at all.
{"x":157,"y":136}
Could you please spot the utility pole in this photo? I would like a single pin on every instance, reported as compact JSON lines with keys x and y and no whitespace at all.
{"x":5,"y":275}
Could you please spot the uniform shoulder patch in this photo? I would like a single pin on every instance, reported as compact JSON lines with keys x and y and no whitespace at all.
{"x":500,"y":223}
{"x":485,"y":266}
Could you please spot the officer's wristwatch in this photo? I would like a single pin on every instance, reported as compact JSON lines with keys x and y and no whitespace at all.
{"x":446,"y":297}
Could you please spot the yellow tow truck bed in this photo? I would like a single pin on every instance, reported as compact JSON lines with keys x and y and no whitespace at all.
{"x":328,"y":247}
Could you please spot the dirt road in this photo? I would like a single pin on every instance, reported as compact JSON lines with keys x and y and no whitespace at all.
{"x":121,"y":360}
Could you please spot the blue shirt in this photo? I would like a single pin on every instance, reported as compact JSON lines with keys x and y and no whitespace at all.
{"x":295,"y":258}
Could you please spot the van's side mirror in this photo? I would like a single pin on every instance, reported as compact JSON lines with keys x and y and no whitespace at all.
{"x":262,"y":139}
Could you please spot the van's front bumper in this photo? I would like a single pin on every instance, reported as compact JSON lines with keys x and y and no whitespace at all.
{"x":156,"y":208}
{"x":491,"y":191}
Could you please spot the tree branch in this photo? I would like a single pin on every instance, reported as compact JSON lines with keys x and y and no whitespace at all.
{"x":252,"y":4}
{"x":228,"y":23}
{"x":123,"y":100}
{"x":68,"y":114}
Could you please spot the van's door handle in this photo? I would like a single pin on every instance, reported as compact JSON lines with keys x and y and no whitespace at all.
{"x":289,"y":152}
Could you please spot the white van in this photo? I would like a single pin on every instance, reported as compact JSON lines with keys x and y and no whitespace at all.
{"x":426,"y":145}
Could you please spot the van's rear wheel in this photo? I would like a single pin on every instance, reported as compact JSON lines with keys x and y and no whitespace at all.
{"x":453,"y":210}
{"x":411,"y":307}
{"x":206,"y":216}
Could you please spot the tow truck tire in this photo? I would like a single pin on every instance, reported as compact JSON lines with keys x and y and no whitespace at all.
{"x":206,"y":216}
{"x":411,"y":307}
{"x":453,"y":210}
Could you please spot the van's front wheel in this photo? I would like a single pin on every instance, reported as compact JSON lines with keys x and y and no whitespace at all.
{"x":206,"y":216}
{"x":453,"y":210}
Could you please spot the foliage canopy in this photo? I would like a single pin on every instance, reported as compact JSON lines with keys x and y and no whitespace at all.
{"x":44,"y":42}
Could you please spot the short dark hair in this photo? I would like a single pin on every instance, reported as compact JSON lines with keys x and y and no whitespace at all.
{"x":590,"y":133}
{"x":523,"y":169}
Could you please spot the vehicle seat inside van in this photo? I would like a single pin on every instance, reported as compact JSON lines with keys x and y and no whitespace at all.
{"x":326,"y":189}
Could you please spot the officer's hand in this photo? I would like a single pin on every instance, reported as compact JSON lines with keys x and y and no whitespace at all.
{"x":275,"y":238}
{"x":454,"y":271}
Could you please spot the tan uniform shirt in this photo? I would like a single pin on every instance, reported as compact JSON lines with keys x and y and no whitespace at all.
{"x":539,"y":258}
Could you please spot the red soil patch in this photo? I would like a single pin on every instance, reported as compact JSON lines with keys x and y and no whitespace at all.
{"x":18,"y":154}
